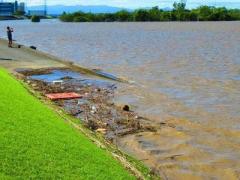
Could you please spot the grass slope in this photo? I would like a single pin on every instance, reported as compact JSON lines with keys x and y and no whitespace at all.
{"x":35,"y":143}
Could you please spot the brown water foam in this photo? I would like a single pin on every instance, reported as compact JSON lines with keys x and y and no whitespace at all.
{"x":175,"y":154}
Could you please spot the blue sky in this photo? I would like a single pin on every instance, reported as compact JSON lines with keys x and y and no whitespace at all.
{"x":137,"y":3}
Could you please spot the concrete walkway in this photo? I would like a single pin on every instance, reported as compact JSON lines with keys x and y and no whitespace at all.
{"x":25,"y":58}
{"x":13,"y":58}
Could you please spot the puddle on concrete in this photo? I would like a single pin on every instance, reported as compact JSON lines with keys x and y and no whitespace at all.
{"x":57,"y":75}
{"x":72,"y":78}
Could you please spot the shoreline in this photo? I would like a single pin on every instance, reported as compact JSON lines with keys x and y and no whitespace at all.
{"x":53,"y":145}
{"x":55,"y":62}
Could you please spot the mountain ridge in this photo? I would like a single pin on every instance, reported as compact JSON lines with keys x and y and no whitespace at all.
{"x":59,"y":9}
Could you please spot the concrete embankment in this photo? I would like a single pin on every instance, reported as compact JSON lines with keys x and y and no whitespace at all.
{"x":22,"y":57}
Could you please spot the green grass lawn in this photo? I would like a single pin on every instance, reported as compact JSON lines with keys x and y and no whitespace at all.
{"x":35,"y":143}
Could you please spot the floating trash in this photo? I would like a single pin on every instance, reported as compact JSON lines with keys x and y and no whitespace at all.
{"x":57,"y":82}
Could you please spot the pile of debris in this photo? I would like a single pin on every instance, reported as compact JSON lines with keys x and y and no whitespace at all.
{"x":88,"y":99}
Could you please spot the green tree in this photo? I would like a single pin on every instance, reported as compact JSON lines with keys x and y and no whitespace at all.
{"x":66,"y":17}
{"x":220,"y":14}
{"x":123,"y":16}
{"x":80,"y":19}
{"x":193,"y":16}
{"x":35,"y":19}
{"x":109,"y":17}
{"x":154,"y":14}
{"x":204,"y":13}
{"x":141,"y":15}
{"x":165,"y":16}
{"x":234,"y":14}
{"x":179,"y":9}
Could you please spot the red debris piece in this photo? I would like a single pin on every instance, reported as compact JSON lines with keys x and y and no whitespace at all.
{"x":56,"y":96}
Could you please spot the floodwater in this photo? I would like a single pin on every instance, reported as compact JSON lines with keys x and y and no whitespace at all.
{"x":186,"y":79}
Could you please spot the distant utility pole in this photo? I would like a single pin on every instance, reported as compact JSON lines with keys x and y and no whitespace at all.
{"x":45,"y":7}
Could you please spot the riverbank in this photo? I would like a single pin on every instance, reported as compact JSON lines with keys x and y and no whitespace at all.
{"x":34,"y":143}
{"x":37,"y":143}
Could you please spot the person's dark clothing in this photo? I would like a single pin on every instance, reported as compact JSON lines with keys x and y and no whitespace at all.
{"x":9,"y":34}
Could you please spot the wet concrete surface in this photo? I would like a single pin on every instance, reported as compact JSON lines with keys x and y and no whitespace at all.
{"x":12,"y":58}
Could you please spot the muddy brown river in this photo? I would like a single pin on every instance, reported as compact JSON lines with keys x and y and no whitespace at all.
{"x":185,"y":79}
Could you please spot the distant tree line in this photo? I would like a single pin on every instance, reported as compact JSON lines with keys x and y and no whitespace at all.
{"x":178,"y":13}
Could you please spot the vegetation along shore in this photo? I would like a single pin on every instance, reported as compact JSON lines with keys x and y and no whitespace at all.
{"x":178,"y":13}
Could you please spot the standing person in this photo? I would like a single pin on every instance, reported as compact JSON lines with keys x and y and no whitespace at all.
{"x":9,"y":34}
